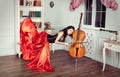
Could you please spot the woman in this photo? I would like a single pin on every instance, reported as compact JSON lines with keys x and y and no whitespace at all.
{"x":35,"y":45}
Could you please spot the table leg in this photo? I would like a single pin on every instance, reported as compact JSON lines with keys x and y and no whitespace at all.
{"x":104,"y":49}
{"x":117,"y":59}
{"x":53,"y":47}
{"x":18,"y":50}
{"x":19,"y":55}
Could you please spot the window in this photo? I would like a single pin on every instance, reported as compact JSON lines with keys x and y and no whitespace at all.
{"x":88,"y":12}
{"x":100,"y":14}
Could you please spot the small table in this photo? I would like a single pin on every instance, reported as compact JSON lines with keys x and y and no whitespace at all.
{"x":115,"y":47}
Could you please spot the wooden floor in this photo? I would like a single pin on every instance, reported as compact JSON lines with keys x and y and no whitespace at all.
{"x":63,"y":64}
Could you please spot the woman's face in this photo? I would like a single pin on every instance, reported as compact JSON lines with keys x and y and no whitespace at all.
{"x":70,"y":31}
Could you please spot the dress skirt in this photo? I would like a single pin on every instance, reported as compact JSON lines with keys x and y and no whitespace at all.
{"x":35,"y":47}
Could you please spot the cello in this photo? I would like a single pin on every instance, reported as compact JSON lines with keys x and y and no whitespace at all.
{"x":77,"y":49}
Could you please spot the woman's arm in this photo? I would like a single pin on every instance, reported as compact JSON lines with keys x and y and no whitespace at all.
{"x":60,"y":35}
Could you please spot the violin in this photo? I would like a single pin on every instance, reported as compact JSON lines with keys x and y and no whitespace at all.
{"x":77,"y":49}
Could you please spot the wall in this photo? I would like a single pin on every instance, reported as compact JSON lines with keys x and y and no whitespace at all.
{"x":112,"y":23}
{"x":60,"y":17}
{"x":6,"y":27}
{"x":113,"y":18}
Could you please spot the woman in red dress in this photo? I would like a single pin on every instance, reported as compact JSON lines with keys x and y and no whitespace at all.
{"x":35,"y":45}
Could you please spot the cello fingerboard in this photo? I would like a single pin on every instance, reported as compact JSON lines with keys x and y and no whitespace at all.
{"x":78,"y":34}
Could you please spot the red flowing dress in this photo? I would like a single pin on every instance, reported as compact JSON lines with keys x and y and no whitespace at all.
{"x":35,"y":47}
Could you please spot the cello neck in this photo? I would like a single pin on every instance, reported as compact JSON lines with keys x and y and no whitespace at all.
{"x":78,"y":35}
{"x":81,"y":14}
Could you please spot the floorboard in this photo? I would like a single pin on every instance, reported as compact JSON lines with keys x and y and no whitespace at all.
{"x":63,"y":64}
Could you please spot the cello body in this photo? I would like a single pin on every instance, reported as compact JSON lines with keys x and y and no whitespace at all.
{"x":77,"y":49}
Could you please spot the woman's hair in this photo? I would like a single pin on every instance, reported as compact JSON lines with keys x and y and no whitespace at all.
{"x":65,"y":31}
